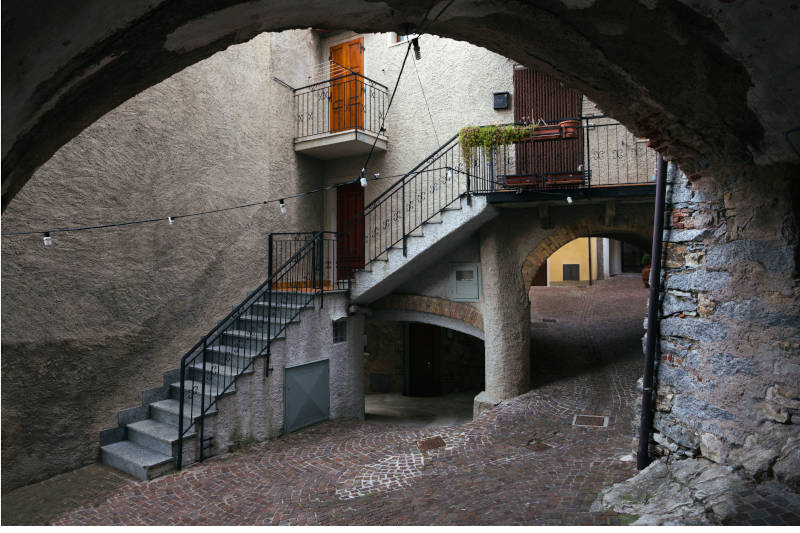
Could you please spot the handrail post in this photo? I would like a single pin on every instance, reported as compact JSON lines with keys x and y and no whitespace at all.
{"x":405,"y":239}
{"x":320,"y":270}
{"x":269,"y":257}
{"x":202,"y":400}
{"x":181,"y":403}
{"x":469,"y":198}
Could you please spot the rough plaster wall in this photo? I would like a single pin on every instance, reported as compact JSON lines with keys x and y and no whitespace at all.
{"x":458,"y":78}
{"x":93,"y":320}
{"x":729,"y":374}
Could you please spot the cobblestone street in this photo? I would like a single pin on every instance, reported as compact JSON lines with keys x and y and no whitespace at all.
{"x":528,"y":461}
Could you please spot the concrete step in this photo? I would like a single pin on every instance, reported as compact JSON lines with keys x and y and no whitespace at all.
{"x":166,"y":411}
{"x":156,"y":436}
{"x":277,"y":308}
{"x":138,"y":461}
{"x":194,"y":389}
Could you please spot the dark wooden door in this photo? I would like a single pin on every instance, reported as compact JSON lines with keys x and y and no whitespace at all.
{"x":350,"y":242}
{"x":347,"y":98}
{"x":538,"y":96}
{"x":425,"y":360}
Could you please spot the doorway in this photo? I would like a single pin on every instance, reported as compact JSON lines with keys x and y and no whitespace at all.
{"x":425,"y":360}
{"x":350,"y":240}
{"x":347,"y":98}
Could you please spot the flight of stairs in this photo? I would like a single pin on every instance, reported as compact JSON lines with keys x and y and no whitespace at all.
{"x":145,"y":442}
{"x":425,"y":245}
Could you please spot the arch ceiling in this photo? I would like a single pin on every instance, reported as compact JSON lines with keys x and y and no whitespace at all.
{"x":709,"y":81}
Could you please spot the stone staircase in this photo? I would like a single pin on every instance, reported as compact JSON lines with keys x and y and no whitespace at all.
{"x":424,"y":245}
{"x":145,"y":442}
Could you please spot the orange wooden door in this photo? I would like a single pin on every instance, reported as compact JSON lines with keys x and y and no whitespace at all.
{"x":347,"y":98}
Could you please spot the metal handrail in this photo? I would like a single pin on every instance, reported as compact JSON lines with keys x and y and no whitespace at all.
{"x":339,"y":78}
{"x":286,"y":292}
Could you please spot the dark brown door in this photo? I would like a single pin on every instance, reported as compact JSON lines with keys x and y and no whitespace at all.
{"x":538,"y":96}
{"x":347,"y":99}
{"x":425,"y":360}
{"x":350,"y":243}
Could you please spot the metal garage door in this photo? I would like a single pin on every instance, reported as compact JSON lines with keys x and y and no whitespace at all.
{"x":306,"y":394}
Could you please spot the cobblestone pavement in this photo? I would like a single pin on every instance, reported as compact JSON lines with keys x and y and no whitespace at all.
{"x":521,"y":463}
{"x":524,"y":462}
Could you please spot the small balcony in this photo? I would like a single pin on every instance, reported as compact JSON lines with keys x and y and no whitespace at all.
{"x":340,"y":117}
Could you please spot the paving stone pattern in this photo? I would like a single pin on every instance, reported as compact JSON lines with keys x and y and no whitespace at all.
{"x":523,"y":462}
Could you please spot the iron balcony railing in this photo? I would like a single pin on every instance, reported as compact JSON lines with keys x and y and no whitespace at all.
{"x":212,"y":366}
{"x":282,"y":246}
{"x":564,"y":155}
{"x":342,"y":103}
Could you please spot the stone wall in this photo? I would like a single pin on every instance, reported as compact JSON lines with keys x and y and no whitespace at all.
{"x":728,"y":379}
{"x":384,"y":357}
{"x":95,"y":319}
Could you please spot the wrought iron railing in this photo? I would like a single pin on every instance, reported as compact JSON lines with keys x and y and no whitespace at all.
{"x":342,"y":103}
{"x":212,"y":366}
{"x":615,"y":156}
{"x":282,"y":246}
{"x":562,"y":156}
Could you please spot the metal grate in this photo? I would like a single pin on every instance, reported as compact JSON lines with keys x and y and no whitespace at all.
{"x":590,"y":421}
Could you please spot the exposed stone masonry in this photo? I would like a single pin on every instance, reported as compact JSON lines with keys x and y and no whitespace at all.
{"x":728,"y":378}
{"x":437,"y":306}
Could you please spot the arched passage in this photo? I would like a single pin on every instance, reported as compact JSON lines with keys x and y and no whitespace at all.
{"x":634,"y":230}
{"x":63,"y":67}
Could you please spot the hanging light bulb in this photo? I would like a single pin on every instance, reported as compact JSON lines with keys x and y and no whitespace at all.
{"x":580,"y":167}
{"x":377,"y":175}
{"x":171,"y":220}
{"x":569,"y":200}
{"x":282,"y":205}
{"x":363,"y":180}
{"x":449,"y":173}
{"x":417,"y":52}
{"x":48,"y":241}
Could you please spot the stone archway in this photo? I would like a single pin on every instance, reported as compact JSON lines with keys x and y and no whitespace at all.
{"x":632,"y":229}
{"x":63,"y":68}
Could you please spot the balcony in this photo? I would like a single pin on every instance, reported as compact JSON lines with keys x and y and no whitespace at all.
{"x":340,"y":117}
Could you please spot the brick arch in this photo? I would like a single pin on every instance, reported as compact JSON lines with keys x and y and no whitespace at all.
{"x":629,"y":230}
{"x":435,"y":306}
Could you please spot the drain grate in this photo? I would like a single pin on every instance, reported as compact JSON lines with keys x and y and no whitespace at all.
{"x":431,"y":443}
{"x":590,"y":421}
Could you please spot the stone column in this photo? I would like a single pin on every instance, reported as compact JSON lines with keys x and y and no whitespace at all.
{"x":506,"y":319}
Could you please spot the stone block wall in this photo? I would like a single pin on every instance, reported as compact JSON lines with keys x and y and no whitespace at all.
{"x":728,"y":376}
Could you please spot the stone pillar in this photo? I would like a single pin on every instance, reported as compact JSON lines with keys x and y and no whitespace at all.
{"x":506,"y":319}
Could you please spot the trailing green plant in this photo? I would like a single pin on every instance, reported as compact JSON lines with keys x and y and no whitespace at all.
{"x":470,"y":138}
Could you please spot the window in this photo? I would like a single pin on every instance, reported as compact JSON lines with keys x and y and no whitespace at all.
{"x":340,"y":331}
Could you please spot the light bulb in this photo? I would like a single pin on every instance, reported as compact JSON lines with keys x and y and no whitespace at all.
{"x":569,"y":199}
{"x":377,"y":175}
{"x":48,"y":241}
{"x":363,"y":181}
{"x":283,"y":206}
{"x":171,"y":220}
{"x":449,"y":173}
{"x":580,"y":167}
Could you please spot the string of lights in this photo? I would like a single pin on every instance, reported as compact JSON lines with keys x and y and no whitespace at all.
{"x":172,"y":218}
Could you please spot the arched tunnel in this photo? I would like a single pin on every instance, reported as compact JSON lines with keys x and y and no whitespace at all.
{"x":711,"y":84}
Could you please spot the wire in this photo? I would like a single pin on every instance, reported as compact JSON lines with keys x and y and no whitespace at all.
{"x":195,"y":214}
{"x":389,"y":106}
{"x":433,"y":125}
